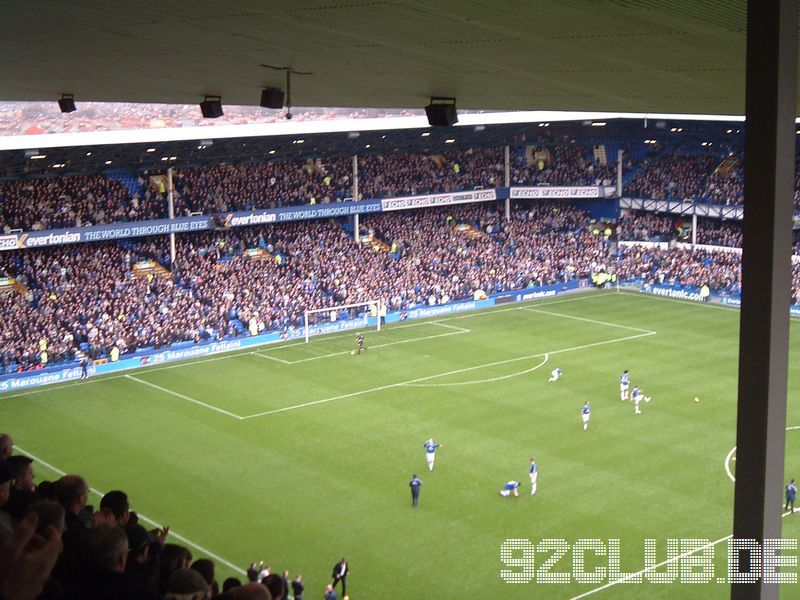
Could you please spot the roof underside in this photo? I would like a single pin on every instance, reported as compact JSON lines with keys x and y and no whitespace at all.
{"x":682,"y":56}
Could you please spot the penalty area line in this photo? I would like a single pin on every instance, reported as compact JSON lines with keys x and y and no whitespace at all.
{"x":481,"y":381}
{"x":184,"y":397}
{"x":177,"y":536}
{"x":429,"y":377}
{"x":585,"y":320}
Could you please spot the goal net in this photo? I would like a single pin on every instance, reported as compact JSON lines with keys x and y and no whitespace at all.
{"x":359,"y":315}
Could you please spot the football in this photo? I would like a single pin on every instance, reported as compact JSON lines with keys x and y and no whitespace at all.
{"x":352,"y":353}
{"x":696,"y":399}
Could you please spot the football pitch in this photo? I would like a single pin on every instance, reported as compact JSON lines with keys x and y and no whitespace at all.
{"x":299,"y":454}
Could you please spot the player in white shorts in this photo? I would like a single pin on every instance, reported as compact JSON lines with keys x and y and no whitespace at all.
{"x":430,"y":452}
{"x":585,"y":415}
{"x":534,"y":473}
{"x":637,"y":396}
{"x":510,"y":489}
{"x":555,"y":375}
{"x":624,"y":384}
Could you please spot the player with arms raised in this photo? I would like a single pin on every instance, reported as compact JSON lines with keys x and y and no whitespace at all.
{"x":430,"y":452}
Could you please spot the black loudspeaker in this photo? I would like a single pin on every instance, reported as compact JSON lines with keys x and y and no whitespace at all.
{"x":211,"y":107}
{"x":272,"y":98}
{"x":442,"y":112}
{"x":67,"y":103}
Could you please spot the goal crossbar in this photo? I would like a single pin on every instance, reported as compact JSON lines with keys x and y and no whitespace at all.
{"x":373,"y":308}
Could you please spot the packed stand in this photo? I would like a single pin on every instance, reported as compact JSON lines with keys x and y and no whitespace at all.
{"x":713,"y":232}
{"x":677,"y":176}
{"x":643,"y":226}
{"x":70,"y":201}
{"x":392,"y":175}
{"x":560,"y":166}
{"x":79,"y":201}
{"x":55,"y":546}
{"x":266,"y":185}
{"x":720,"y":271}
{"x":85,"y":297}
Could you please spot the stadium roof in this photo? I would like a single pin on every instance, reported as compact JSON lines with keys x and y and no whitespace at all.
{"x":682,"y":56}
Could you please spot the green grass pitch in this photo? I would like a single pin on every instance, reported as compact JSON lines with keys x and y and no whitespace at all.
{"x":302,"y":453}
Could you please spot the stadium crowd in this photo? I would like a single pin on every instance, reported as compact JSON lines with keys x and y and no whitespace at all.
{"x":55,"y":546}
{"x":75,"y":201}
{"x":680,"y":176}
{"x":562,"y":165}
{"x":654,"y":227}
{"x":87,"y":297}
{"x":720,"y":271}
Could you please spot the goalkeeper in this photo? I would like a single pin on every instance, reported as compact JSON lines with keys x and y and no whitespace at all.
{"x":359,"y":344}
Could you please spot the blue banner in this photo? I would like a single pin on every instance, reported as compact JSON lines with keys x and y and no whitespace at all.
{"x":71,"y":372}
{"x":99,"y":233}
{"x":267,"y":216}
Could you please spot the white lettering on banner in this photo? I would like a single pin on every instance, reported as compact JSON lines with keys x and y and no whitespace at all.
{"x":406,"y":202}
{"x":42,"y":379}
{"x":534,"y":295}
{"x":52,"y":239}
{"x":674,"y":293}
{"x":556,"y":192}
{"x":254,"y":219}
{"x":445,"y":309}
{"x":8,"y":242}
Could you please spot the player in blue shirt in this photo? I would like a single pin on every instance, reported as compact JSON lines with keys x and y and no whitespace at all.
{"x":512,"y":487}
{"x":791,"y":494}
{"x":585,"y":414}
{"x":637,"y":396}
{"x":534,"y":473}
{"x":430,"y":452}
{"x":624,"y":384}
{"x":555,"y":375}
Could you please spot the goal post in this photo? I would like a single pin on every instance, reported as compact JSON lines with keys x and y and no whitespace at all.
{"x":360,"y":315}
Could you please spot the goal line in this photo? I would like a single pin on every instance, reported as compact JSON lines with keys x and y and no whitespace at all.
{"x":358,"y":315}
